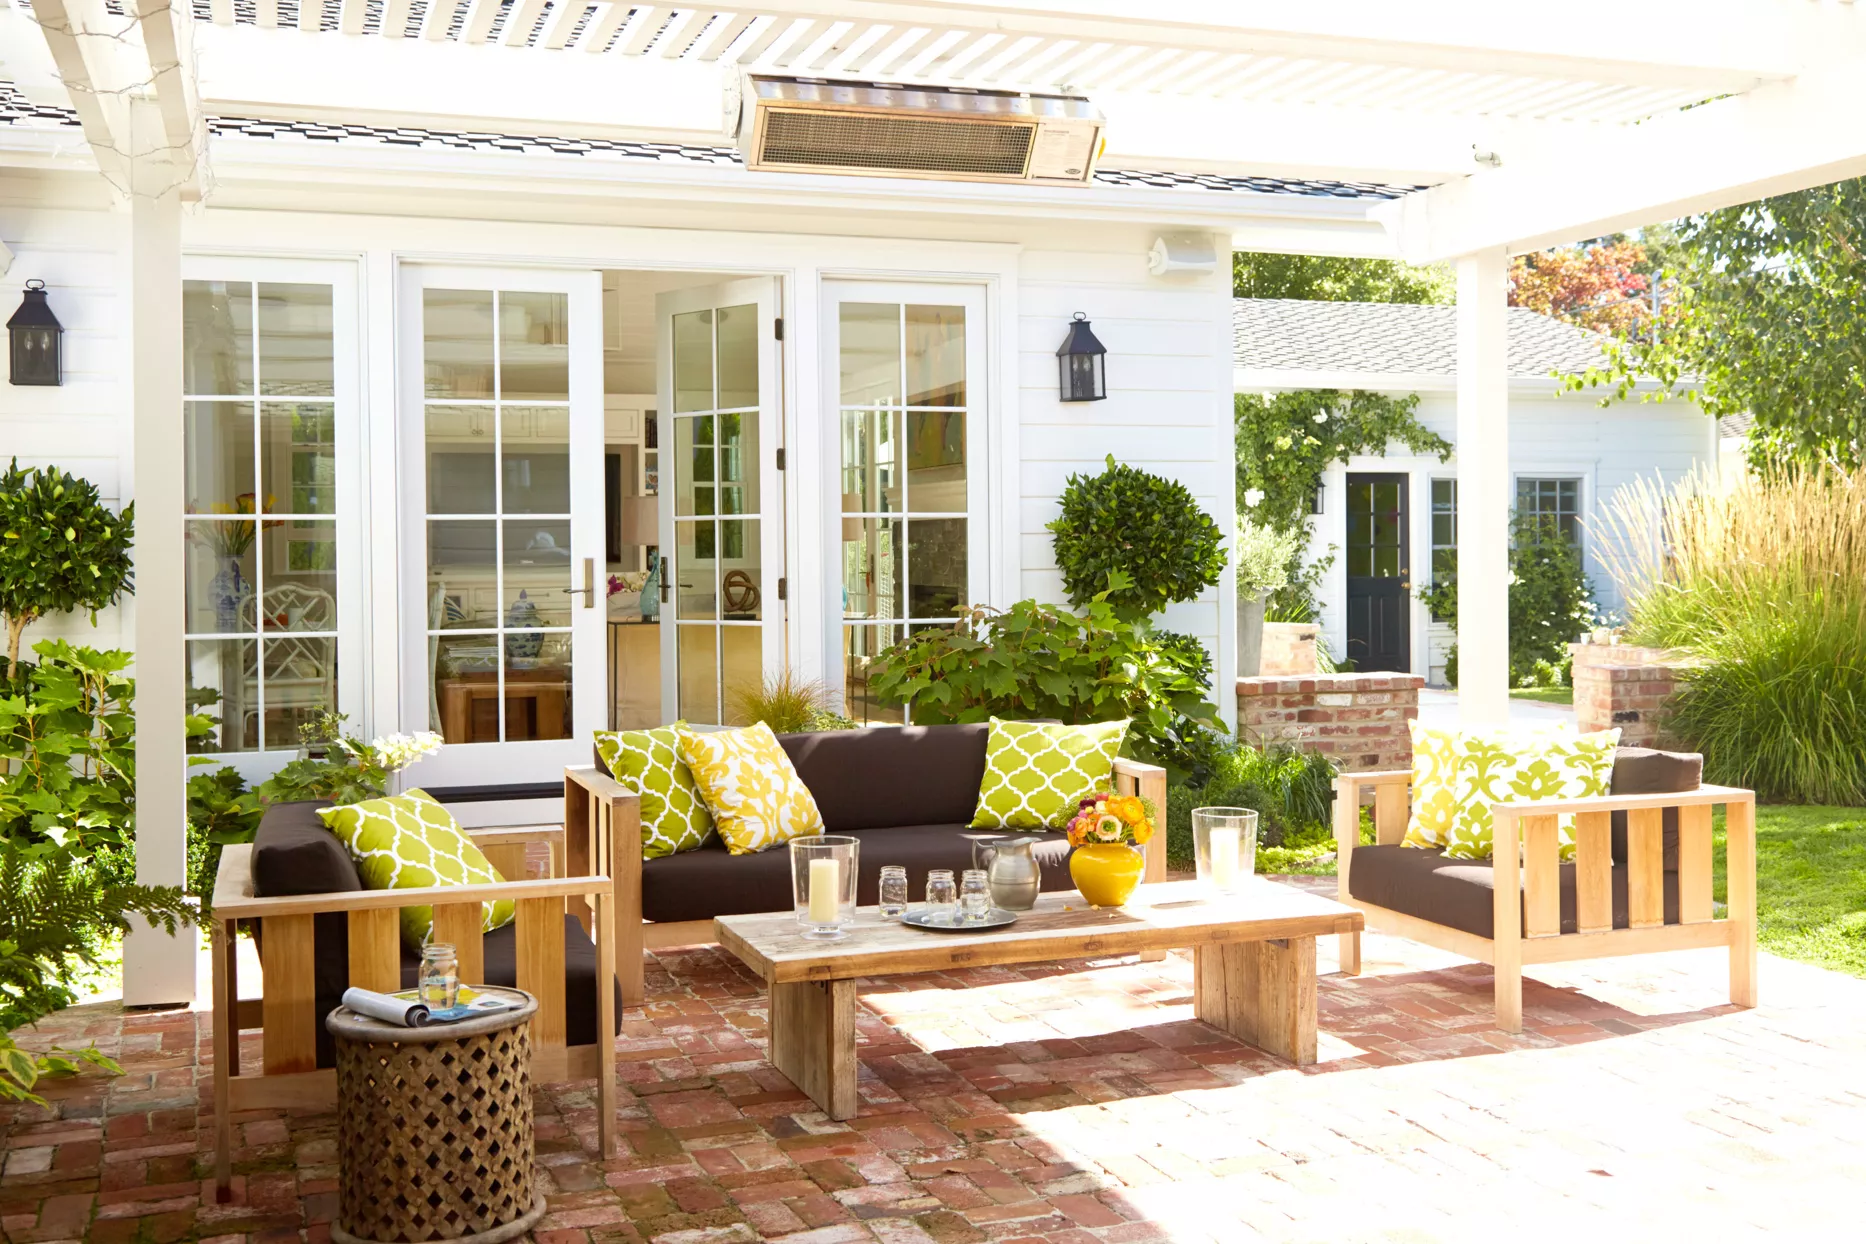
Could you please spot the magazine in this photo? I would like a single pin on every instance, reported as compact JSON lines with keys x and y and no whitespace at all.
{"x":468,"y":1003}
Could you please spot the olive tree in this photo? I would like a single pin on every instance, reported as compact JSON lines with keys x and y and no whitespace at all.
{"x":61,"y":549}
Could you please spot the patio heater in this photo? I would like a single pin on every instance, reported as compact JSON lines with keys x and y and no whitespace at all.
{"x":34,"y":333}
{"x":1081,"y":363}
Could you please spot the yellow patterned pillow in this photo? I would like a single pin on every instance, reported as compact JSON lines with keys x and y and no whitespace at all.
{"x":1502,"y":766}
{"x":753,"y":790}
{"x":410,"y":842}
{"x":1434,"y":786}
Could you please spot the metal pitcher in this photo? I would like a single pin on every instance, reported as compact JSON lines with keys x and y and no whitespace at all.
{"x":1011,"y":871}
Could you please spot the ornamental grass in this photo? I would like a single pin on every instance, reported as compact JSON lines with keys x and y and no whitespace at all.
{"x":1764,"y":585}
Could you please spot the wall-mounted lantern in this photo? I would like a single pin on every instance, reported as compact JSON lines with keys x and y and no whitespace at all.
{"x":34,"y":332}
{"x":1080,"y":362}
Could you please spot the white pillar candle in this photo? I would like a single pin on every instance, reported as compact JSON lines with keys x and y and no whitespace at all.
{"x":1221,"y":843}
{"x":825,"y":891}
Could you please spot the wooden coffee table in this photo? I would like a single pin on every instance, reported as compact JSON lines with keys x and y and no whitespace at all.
{"x":1253,"y":966}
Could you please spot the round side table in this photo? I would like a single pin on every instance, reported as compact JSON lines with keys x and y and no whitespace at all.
{"x":434,"y":1128}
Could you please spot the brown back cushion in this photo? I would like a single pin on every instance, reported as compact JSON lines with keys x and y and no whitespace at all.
{"x":295,"y":853}
{"x":883,"y":776}
{"x":1645,"y":771}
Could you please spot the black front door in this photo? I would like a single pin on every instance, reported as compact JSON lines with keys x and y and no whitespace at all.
{"x":1379,"y":574}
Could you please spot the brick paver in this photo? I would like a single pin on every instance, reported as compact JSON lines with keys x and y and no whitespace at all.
{"x":1077,"y":1103}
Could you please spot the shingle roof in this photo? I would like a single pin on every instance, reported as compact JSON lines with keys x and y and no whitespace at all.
{"x":1286,"y":334}
{"x":16,"y":109}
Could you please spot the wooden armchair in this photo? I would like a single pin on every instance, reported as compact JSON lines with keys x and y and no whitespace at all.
{"x":610,"y":817}
{"x":287,"y":1013}
{"x":1528,"y":913}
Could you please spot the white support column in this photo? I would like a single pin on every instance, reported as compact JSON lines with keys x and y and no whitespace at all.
{"x":158,"y":969}
{"x":1483,"y":489}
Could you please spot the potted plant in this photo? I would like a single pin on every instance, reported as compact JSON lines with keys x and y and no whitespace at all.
{"x":1263,"y":557}
{"x":60,"y":549}
{"x":1107,"y":834}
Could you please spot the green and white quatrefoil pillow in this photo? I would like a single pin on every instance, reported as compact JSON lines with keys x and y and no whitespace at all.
{"x":1507,"y":765}
{"x":408,"y":842}
{"x":1036,"y":774}
{"x":674,"y":818}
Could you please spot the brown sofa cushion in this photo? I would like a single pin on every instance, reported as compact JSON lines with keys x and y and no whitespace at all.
{"x":1644,"y":771}
{"x":294,"y":852}
{"x":698,"y":885}
{"x":1460,"y":893}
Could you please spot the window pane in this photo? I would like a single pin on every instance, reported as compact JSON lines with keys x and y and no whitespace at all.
{"x":859,"y":646}
{"x":1387,"y":562}
{"x":699,"y":673}
{"x":222,"y":685}
{"x":1387,"y":528}
{"x":936,"y":566}
{"x":696,"y":587}
{"x":300,"y":576}
{"x":741,"y":660}
{"x":217,"y":337}
{"x":536,"y":445}
{"x":463,"y":587}
{"x":537,"y":687}
{"x":456,"y":329}
{"x":870,"y":471}
{"x":298,"y":456}
{"x":460,"y":444}
{"x":301,"y":682}
{"x":466,"y":687}
{"x":871,"y":567}
{"x":738,"y":356}
{"x":1360,"y":560}
{"x":537,"y":570}
{"x":295,"y":341}
{"x":534,"y":347}
{"x":871,"y":353}
{"x":219,"y":577}
{"x":217,"y":439}
{"x":693,"y":361}
{"x":694,"y":465}
{"x":936,"y":462}
{"x":738,"y":463}
{"x":935,"y":356}
{"x":741,"y":574}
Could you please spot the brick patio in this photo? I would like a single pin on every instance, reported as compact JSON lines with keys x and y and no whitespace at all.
{"x":1075,"y":1103}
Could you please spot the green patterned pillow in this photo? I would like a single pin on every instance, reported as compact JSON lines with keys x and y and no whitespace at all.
{"x":647,"y":762}
{"x":1037,"y":774}
{"x":408,"y":842}
{"x":1498,"y":766}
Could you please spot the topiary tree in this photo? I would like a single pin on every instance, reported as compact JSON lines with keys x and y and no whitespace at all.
{"x":60,"y":549}
{"x":1147,"y":528}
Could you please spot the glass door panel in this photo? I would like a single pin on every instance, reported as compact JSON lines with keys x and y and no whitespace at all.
{"x":720,"y":420}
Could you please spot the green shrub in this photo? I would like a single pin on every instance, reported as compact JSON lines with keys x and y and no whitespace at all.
{"x":1040,"y":660}
{"x":60,"y":549}
{"x":67,"y":736}
{"x":789,"y":704}
{"x":1264,"y":555}
{"x":1146,"y":528}
{"x":1292,"y":793}
{"x":1551,"y":603}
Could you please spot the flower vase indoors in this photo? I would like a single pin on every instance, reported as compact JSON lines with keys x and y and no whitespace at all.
{"x":1108,"y":833}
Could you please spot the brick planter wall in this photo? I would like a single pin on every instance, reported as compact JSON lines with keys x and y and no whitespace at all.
{"x":1288,"y":648}
{"x":1621,"y":685}
{"x":1357,"y":720}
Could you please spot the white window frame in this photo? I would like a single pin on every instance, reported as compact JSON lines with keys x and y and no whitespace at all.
{"x":353,"y":573}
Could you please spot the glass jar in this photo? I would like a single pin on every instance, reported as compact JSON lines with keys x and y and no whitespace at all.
{"x":1224,"y":844}
{"x":942,"y":896}
{"x":439,"y":980}
{"x":893,"y":891}
{"x":974,"y":896}
{"x":823,"y":874}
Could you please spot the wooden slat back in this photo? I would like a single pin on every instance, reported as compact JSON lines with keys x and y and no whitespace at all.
{"x":459,"y":925}
{"x":1392,"y":805}
{"x":1694,"y":864}
{"x":1645,"y":867}
{"x":1541,"y":877}
{"x":508,"y":858}
{"x":376,"y":949}
{"x":1593,"y":872}
{"x":288,"y":958}
{"x":541,"y":966}
{"x":581,"y":814}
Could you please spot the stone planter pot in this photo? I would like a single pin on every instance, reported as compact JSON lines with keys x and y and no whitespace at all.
{"x":1250,"y":637}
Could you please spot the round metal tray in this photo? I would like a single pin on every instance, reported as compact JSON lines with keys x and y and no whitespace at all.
{"x":998,"y":919}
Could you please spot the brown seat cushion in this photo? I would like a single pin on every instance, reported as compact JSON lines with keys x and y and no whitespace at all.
{"x":1646,"y":771}
{"x":1460,"y":893}
{"x":708,"y":882}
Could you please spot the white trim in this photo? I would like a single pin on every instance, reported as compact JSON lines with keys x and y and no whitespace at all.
{"x":1279,"y":380}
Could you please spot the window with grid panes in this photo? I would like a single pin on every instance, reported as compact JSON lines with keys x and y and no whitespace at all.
{"x":1444,"y":532}
{"x":1557,"y":499}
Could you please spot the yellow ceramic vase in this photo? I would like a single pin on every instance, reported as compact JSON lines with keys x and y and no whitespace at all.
{"x":1107,"y":872}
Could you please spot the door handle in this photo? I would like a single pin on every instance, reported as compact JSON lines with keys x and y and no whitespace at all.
{"x":588,"y":590}
{"x":665,"y":571}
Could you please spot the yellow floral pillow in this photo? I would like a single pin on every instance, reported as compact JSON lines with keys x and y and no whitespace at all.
{"x":1503,"y":766}
{"x":1434,"y":786}
{"x":753,"y":790}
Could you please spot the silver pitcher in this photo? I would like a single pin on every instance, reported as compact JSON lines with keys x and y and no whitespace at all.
{"x":1011,"y":871}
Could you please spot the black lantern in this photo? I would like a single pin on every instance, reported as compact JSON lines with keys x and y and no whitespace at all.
{"x":35,"y":331}
{"x":1080,"y":360}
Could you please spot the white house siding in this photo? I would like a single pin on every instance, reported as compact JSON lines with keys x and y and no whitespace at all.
{"x":1551,"y":435}
{"x":1168,"y":408}
{"x":60,"y":234}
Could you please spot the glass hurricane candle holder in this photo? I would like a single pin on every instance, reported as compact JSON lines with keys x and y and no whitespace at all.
{"x":823,"y":872}
{"x":1224,"y":842}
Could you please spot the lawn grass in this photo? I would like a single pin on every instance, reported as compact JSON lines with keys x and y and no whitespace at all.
{"x":1810,"y":883}
{"x":1544,"y":695}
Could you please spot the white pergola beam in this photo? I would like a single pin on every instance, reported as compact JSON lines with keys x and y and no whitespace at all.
{"x":1778,"y":138}
{"x":1483,"y":489}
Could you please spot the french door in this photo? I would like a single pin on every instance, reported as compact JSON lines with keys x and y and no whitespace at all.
{"x":503,"y":533}
{"x":722,"y":581}
{"x":1379,"y":572}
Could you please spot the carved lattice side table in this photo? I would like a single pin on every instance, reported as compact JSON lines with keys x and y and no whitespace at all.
{"x":434,"y":1129}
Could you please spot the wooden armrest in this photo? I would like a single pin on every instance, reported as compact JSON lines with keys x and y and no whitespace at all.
{"x":599,"y":784}
{"x":247,"y":908}
{"x":1127,"y":767}
{"x":1378,"y":777}
{"x":1624,"y":803}
{"x":510,"y":834}
{"x":233,"y":880}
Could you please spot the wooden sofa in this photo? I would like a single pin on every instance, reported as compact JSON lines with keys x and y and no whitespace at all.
{"x":291,"y":928}
{"x":1543,"y":911}
{"x":906,"y":793}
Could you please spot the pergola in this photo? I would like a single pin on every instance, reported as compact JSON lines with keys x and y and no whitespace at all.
{"x":1503,"y":127}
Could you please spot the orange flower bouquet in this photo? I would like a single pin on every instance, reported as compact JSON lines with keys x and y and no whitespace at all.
{"x":1105,"y":818}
